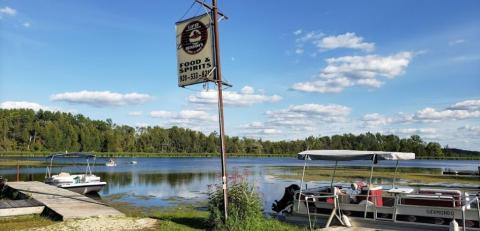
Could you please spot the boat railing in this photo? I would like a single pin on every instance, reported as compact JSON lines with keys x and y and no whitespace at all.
{"x":312,"y":197}
{"x":476,"y":202}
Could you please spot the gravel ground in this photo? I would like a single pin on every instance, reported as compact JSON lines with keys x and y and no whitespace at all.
{"x":101,"y":224}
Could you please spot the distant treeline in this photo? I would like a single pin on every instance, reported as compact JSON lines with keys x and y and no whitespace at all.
{"x":27,"y":130}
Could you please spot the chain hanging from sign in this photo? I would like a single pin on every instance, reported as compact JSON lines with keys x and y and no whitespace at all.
{"x":195,"y":50}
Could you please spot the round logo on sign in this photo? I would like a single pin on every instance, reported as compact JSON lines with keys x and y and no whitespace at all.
{"x":194,"y":37}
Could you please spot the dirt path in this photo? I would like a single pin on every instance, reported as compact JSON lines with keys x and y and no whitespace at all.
{"x":101,"y":224}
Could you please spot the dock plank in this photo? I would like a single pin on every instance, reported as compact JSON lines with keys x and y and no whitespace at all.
{"x":65,"y":203}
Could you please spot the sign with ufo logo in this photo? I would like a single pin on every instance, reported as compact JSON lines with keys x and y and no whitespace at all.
{"x":194,"y":50}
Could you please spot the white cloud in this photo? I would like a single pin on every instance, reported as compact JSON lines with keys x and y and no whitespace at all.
{"x":161,"y":114}
{"x":299,"y":51}
{"x":199,"y":120}
{"x":456,"y":42}
{"x":417,"y":130}
{"x":474,"y":130}
{"x":8,"y":11}
{"x":323,"y":86}
{"x":135,"y":113}
{"x":267,"y":131}
{"x":184,"y":116}
{"x":330,"y":110}
{"x":247,"y":90}
{"x":246,"y":97}
{"x":348,"y":71}
{"x":259,"y":129}
{"x":308,"y":37}
{"x":297,"y":121}
{"x":23,"y":105}
{"x":473,"y":104}
{"x":375,"y":119}
{"x":26,"y":24}
{"x":432,"y":115}
{"x":195,"y":115}
{"x":297,"y":32}
{"x":102,"y":98}
{"x":307,"y":114}
{"x":347,"y":40}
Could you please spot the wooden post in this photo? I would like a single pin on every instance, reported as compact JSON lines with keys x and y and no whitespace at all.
{"x":218,"y":75}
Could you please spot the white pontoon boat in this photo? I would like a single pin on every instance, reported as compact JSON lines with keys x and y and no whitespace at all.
{"x":369,"y":206}
{"x":80,"y":183}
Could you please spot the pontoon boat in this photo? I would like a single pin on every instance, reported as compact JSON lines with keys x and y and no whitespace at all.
{"x":80,"y":183}
{"x":371,"y":206}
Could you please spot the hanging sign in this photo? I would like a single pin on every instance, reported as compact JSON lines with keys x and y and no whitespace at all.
{"x":194,"y":50}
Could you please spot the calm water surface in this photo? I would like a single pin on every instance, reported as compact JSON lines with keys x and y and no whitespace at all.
{"x":167,"y":181}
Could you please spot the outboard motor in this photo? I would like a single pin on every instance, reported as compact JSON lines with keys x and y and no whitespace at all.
{"x":287,"y":198}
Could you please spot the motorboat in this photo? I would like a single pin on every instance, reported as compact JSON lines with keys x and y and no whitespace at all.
{"x":133,"y":162}
{"x":111,"y":163}
{"x":380,"y":207}
{"x":82,"y":183}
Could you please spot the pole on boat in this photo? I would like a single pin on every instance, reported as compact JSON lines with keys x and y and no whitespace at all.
{"x":369,"y":186}
{"x":218,"y":75}
{"x":301,"y":183}
{"x":395,"y":175}
{"x":333,"y":176}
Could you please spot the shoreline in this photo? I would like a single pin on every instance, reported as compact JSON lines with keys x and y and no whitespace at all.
{"x":199,"y":155}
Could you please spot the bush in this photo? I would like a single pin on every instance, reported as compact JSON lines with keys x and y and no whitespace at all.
{"x":244,"y":208}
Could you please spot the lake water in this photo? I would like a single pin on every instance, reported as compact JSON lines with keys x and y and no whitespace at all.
{"x":157,"y":182}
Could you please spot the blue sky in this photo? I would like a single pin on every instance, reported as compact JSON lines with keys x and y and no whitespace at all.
{"x":298,"y":68}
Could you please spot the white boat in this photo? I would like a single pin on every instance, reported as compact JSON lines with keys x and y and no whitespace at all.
{"x":111,"y":163}
{"x":81,"y":183}
{"x":369,"y":206}
{"x":133,"y":162}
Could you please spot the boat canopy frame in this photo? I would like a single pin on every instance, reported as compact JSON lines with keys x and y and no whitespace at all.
{"x":86,"y":155}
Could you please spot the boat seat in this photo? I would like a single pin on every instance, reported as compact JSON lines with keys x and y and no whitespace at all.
{"x":63,"y":174}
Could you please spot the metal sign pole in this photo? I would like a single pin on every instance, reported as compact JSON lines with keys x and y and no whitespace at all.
{"x":218,"y":75}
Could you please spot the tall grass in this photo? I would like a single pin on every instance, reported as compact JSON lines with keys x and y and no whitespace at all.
{"x":245,"y":210}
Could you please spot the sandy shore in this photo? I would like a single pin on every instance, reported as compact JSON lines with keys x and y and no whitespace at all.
{"x":101,"y":224}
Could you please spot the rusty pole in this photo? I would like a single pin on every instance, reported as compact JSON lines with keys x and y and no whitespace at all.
{"x":218,"y":74}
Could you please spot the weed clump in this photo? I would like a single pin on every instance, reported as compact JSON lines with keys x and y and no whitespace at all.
{"x":244,"y":208}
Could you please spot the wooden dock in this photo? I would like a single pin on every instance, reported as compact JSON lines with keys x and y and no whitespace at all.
{"x":64,"y":204}
{"x":20,"y":207}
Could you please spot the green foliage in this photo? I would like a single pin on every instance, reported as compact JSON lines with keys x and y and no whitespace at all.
{"x":45,"y":131}
{"x":244,"y":210}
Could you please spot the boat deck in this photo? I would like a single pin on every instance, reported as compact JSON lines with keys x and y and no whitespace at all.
{"x":64,"y":203}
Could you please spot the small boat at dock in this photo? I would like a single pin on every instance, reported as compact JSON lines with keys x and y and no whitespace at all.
{"x":111,"y":163}
{"x":82,"y":183}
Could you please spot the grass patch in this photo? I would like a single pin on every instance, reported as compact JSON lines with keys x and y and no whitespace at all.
{"x":185,"y":217}
{"x":10,"y":163}
{"x":24,"y":222}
